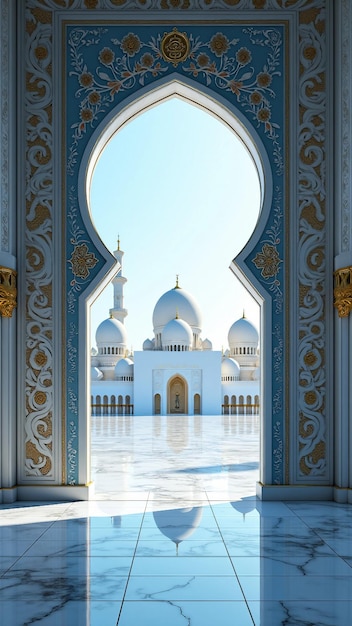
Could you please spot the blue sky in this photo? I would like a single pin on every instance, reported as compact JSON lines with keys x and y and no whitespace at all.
{"x":181,"y":191}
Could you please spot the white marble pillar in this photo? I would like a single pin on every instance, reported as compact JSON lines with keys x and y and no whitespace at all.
{"x":343,"y":249}
{"x":8,"y":347}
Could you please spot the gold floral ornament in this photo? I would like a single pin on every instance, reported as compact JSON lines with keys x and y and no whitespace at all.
{"x":268,"y":261}
{"x":82,"y":261}
{"x":219,"y":44}
{"x":8,"y":291}
{"x":131,"y":44}
{"x":343,"y":291}
{"x":175,"y":47}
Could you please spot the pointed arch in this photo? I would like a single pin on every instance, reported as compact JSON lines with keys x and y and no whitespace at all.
{"x":195,"y":94}
{"x":177,"y":395}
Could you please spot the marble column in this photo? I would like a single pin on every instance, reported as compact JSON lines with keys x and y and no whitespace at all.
{"x":8,"y":274}
{"x":343,"y":252}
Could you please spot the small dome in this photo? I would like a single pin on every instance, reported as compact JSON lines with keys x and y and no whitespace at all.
{"x":230,"y":370}
{"x":178,"y":301}
{"x":177,"y":332}
{"x":243,"y":332}
{"x":148,"y":344}
{"x":207,"y":345}
{"x":124,"y":369}
{"x":178,"y":524}
{"x":111,"y":331}
{"x":95,"y":374}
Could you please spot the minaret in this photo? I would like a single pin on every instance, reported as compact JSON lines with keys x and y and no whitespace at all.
{"x":118,"y":312}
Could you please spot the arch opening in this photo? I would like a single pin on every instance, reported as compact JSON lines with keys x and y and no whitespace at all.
{"x":177,"y":396}
{"x":192,"y":97}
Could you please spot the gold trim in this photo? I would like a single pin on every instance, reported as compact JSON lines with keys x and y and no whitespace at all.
{"x":175,"y":47}
{"x":8,"y":291}
{"x":343,"y":291}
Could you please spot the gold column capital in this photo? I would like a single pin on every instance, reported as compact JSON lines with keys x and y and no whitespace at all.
{"x":8,"y":291}
{"x":343,"y":291}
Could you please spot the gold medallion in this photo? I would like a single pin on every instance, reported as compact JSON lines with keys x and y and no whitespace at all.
{"x":175,"y":47}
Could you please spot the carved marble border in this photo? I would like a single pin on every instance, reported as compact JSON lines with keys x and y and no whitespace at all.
{"x":39,"y":242}
{"x":312,"y":242}
{"x":312,"y":262}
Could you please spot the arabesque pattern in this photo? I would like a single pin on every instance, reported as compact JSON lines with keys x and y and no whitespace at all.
{"x":208,"y":65}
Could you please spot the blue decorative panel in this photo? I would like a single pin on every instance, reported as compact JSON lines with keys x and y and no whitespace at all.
{"x":243,"y":63}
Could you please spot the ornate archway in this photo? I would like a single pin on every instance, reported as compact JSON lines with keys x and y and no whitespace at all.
{"x":177,"y":396}
{"x":104,"y":65}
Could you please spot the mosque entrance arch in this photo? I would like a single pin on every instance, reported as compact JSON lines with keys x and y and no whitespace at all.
{"x":187,"y":91}
{"x":94,"y":106}
{"x":177,"y":396}
{"x":109,"y":62}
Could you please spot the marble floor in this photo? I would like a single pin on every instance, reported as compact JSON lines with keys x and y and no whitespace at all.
{"x":176,"y":537}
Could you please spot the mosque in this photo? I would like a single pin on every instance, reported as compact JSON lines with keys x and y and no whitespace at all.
{"x":176,"y":372}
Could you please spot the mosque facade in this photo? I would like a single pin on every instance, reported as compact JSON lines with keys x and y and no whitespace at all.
{"x":177,"y":371}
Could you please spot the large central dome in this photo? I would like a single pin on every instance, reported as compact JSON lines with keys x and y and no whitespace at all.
{"x":176,"y":302}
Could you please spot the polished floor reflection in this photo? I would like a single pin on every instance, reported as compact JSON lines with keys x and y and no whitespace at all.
{"x":176,"y":537}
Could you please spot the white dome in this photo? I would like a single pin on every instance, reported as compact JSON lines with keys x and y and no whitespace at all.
{"x":124,"y":368}
{"x":230,"y":369}
{"x":207,"y":345}
{"x":179,"y":302}
{"x":243,"y":332}
{"x":95,"y":374}
{"x":111,"y":332}
{"x":177,"y":332}
{"x":148,"y":344}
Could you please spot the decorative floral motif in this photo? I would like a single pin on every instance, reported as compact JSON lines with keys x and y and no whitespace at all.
{"x":219,"y":44}
{"x":131,"y":44}
{"x":82,"y":261}
{"x":106,"y":56}
{"x":243,"y":56}
{"x":268,"y":258}
{"x":221,"y":62}
{"x":268,"y":261}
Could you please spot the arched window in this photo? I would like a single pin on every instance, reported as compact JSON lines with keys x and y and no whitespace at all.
{"x":226,"y":405}
{"x":248,"y":407}
{"x":241,"y":402}
{"x":119,"y":407}
{"x":98,"y":403}
{"x":157,"y":404}
{"x":256,"y":402}
{"x":196,"y":404}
